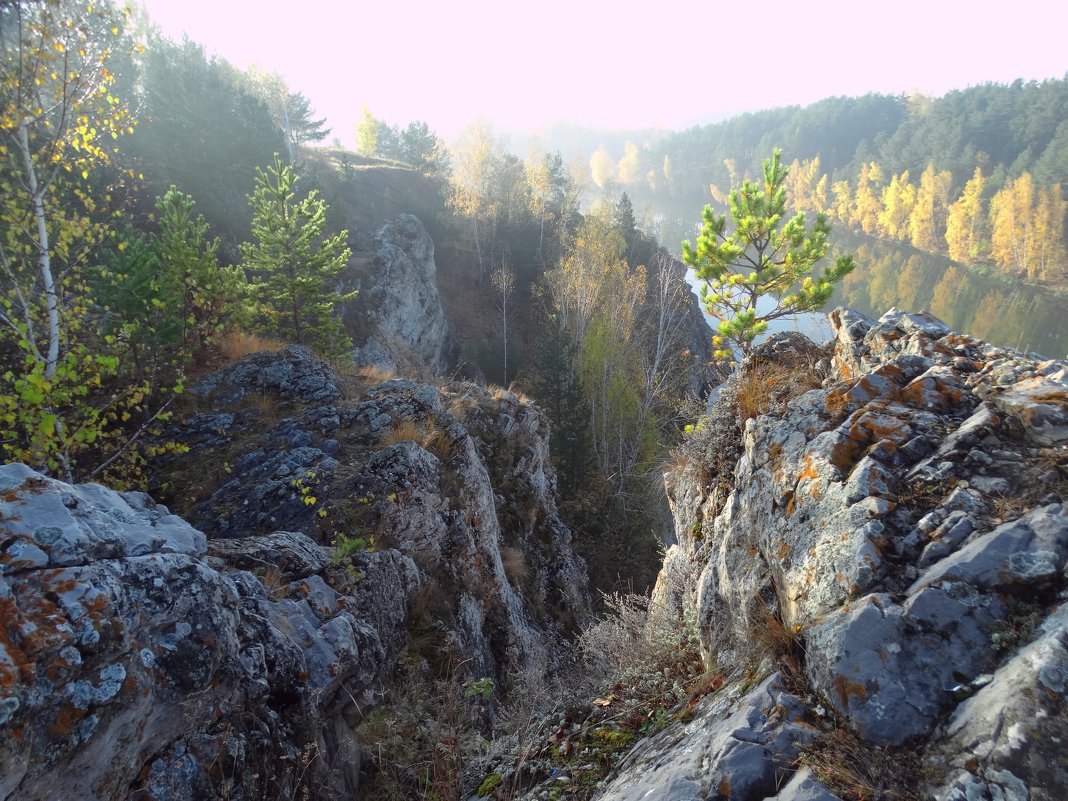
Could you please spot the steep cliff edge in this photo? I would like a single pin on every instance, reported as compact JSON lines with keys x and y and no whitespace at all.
{"x":890,"y":547}
{"x":344,"y":526}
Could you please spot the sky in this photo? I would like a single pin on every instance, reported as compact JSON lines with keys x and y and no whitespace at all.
{"x":662,"y":64}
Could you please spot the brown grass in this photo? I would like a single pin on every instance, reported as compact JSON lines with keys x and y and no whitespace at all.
{"x":373,"y":374}
{"x":766,"y":384}
{"x":428,"y":436}
{"x":237,"y":344}
{"x":515,"y":565}
{"x":266,"y":405}
{"x":273,"y":581}
{"x":857,"y":771}
{"x":770,"y":637}
{"x":1039,"y":477}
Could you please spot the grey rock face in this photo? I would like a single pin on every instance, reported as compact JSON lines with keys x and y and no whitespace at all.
{"x":398,"y":314}
{"x":736,"y":747}
{"x":1008,"y":739}
{"x":136,"y":652}
{"x":905,"y":522}
{"x":128,"y":661}
{"x":467,"y":494}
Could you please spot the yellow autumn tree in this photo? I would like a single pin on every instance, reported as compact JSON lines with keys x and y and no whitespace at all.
{"x":806,"y":188}
{"x":899,"y":199}
{"x":966,"y":222}
{"x":602,"y":167}
{"x":927,"y":222}
{"x":1010,"y":224}
{"x":842,"y":207}
{"x":867,"y":202}
{"x":1046,"y":259}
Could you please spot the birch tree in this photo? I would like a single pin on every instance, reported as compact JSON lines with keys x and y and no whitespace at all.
{"x":58,"y":124}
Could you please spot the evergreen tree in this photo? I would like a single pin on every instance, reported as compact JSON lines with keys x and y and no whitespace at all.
{"x":297,"y":267}
{"x":761,"y":259}
{"x":626,"y":223}
{"x":199,"y":295}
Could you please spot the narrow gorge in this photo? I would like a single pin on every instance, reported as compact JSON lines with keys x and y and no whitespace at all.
{"x":870,"y":549}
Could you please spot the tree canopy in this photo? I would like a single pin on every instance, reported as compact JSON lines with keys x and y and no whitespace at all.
{"x":760,"y":257}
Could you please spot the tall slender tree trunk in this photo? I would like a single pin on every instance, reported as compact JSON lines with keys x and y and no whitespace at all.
{"x":48,"y":283}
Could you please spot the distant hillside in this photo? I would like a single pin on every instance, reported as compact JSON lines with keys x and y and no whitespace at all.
{"x":891,"y":166}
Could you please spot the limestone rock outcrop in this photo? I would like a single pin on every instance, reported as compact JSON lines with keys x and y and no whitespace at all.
{"x":454,"y":477}
{"x":902,"y":526}
{"x":136,"y":663}
{"x":337,"y":527}
{"x":397,"y":317}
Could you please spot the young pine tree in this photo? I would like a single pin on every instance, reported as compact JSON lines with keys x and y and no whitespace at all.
{"x":295,"y":267}
{"x":761,"y":257}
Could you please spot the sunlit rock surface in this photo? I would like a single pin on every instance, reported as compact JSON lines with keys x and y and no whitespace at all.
{"x":133,"y":664}
{"x":905,"y":524}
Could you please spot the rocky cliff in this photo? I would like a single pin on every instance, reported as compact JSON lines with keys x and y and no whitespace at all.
{"x":876,"y":556}
{"x":397,"y":318}
{"x":339,"y":526}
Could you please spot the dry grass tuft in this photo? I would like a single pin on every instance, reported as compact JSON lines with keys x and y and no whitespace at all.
{"x":1048,"y":474}
{"x":266,"y":405}
{"x":238,"y":344}
{"x":373,"y":374}
{"x":429,"y":436}
{"x":763,"y":385}
{"x":857,"y":771}
{"x":770,"y":637}
{"x":515,"y":565}
{"x":273,"y":581}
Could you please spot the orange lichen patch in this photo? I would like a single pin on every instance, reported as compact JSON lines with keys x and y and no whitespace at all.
{"x":842,"y":400}
{"x":836,"y":403}
{"x":846,"y":689}
{"x":871,"y":426}
{"x":808,"y":469}
{"x":954,"y":339}
{"x":725,"y":788}
{"x":844,"y":454}
{"x":782,"y":550}
{"x":790,"y":505}
{"x":1051,"y":396}
{"x":66,"y":719}
{"x":891,"y":372}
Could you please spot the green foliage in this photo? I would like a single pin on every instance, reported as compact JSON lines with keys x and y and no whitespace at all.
{"x":200,"y":296}
{"x":60,"y":393}
{"x":761,"y":257}
{"x":481,"y":688}
{"x":488,"y":785}
{"x":294,"y":264}
{"x":416,"y":144}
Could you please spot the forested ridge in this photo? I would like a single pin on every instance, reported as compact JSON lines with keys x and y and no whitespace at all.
{"x":977,"y":174}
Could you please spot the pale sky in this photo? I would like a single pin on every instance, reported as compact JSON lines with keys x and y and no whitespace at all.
{"x":525,"y":64}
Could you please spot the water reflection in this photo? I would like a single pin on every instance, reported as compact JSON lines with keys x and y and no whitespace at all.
{"x":892,"y":274}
